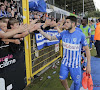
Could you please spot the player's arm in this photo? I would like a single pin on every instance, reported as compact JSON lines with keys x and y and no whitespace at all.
{"x":58,"y":29}
{"x":89,"y":33}
{"x":38,"y":27}
{"x":92,"y":29}
{"x":62,"y":21}
{"x":88,"y":55}
{"x":47,"y":36}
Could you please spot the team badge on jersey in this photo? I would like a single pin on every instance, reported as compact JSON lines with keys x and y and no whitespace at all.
{"x":74,"y":39}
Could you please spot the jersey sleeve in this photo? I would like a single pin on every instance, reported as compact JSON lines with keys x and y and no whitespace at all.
{"x":79,"y":26}
{"x":94,"y":26}
{"x":89,"y":30}
{"x":59,"y":36}
{"x":83,"y":40}
{"x":80,"y":30}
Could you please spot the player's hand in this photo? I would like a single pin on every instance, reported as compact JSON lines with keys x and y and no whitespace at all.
{"x":88,"y":69}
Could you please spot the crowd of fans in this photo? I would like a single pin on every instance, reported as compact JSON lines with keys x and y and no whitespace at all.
{"x":11,"y":27}
{"x":8,"y":9}
{"x":12,"y":30}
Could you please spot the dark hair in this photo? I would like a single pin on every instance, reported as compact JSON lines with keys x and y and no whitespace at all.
{"x":2,"y":5}
{"x":92,"y":21}
{"x":86,"y":19}
{"x":99,"y":19}
{"x":5,"y":18}
{"x":72,"y":18}
{"x":12,"y":21}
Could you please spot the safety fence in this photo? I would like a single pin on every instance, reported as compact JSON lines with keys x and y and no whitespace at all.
{"x":42,"y":58}
{"x":36,"y":60}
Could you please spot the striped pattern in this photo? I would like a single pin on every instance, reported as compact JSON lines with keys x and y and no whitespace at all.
{"x":72,"y":47}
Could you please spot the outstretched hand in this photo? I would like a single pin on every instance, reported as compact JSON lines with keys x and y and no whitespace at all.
{"x":22,"y":28}
{"x":47,"y":22}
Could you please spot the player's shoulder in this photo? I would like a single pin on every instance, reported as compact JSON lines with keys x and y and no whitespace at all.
{"x":64,"y":32}
{"x":88,"y":26}
{"x":79,"y":33}
{"x":79,"y":29}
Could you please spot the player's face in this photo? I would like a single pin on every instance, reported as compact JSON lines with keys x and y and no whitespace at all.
{"x":97,"y":21}
{"x":91,"y":23}
{"x":84,"y":22}
{"x":68,"y":24}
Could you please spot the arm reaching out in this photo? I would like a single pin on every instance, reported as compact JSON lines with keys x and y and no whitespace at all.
{"x":58,"y":29}
{"x":11,"y":33}
{"x":6,"y":41}
{"x":47,"y":36}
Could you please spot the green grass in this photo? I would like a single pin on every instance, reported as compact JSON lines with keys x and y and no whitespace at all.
{"x":54,"y":82}
{"x":48,"y":84}
{"x":93,"y":52}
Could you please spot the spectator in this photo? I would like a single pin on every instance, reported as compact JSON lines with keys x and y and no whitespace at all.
{"x":9,"y":12}
{"x":5,"y":34}
{"x":2,"y":11}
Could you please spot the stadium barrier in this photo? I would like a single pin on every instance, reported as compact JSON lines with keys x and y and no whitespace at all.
{"x":37,"y":60}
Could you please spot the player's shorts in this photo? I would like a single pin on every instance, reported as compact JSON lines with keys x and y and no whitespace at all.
{"x":74,"y":72}
{"x":92,"y":38}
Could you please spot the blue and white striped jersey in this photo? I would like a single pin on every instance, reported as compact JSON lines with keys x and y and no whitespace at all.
{"x":72,"y":43}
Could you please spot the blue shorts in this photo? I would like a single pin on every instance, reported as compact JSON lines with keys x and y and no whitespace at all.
{"x":92,"y":38}
{"x":74,"y":72}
